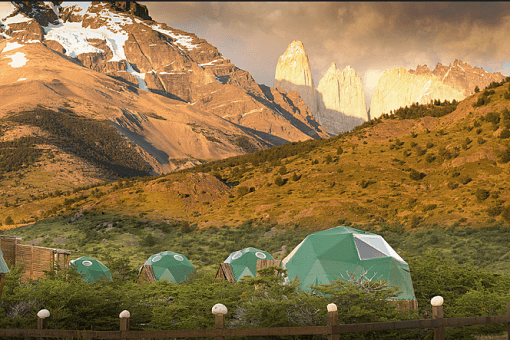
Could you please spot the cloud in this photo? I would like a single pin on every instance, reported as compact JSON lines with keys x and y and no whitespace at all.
{"x":368,"y":36}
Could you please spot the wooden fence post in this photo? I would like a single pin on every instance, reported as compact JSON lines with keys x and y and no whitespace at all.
{"x":124,"y":321}
{"x":437,"y":313}
{"x":219,"y":310}
{"x":333,"y":320}
{"x":41,"y":319}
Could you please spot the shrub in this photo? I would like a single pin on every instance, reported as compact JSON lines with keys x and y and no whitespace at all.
{"x":242,"y":190}
{"x":416,"y":175}
{"x":9,"y":220}
{"x":482,"y":194}
{"x":339,"y":151}
{"x":279,"y":181}
{"x":477,"y":89}
{"x":505,"y":133}
{"x":452,"y":185}
{"x":430,"y":158}
{"x":283,"y":170}
{"x":465,"y":179}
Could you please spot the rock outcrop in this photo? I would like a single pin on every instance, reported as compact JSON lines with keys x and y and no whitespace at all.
{"x":293,"y":73}
{"x":398,"y":87}
{"x":341,"y":100}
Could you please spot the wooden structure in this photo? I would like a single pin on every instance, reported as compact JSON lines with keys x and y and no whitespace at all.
{"x":268,"y":263}
{"x":225,"y":272}
{"x":405,"y":304}
{"x":146,"y":274}
{"x":35,"y":260}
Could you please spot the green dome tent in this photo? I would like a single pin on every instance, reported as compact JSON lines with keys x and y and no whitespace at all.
{"x":244,"y":262}
{"x":331,"y":254}
{"x":91,"y":269}
{"x":166,"y":265}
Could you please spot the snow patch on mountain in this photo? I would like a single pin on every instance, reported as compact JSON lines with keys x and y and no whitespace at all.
{"x":181,"y":40}
{"x":142,"y":85}
{"x":74,"y":39}
{"x":15,"y":19}
{"x":83,"y":5}
{"x":11,"y":46}
{"x":18,"y":59}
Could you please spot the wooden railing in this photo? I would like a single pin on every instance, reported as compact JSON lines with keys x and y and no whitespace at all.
{"x":332,"y":329}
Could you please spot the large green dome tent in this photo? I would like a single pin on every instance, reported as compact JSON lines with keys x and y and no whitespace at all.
{"x":166,"y":265}
{"x":90,"y":269}
{"x":244,"y":262}
{"x":334,"y":253}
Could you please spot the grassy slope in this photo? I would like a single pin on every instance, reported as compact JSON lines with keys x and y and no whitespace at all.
{"x":369,"y":183}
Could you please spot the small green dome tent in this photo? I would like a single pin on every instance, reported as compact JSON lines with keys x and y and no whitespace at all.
{"x":244,"y":262}
{"x":91,"y":269}
{"x":331,"y":254}
{"x":166,"y":265}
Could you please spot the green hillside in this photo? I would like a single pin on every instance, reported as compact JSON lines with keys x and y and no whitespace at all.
{"x":424,"y":166}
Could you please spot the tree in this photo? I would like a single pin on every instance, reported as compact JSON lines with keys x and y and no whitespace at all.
{"x":9,"y":220}
{"x":283,"y":170}
{"x":339,"y":151}
{"x":477,"y":89}
{"x":279,"y":181}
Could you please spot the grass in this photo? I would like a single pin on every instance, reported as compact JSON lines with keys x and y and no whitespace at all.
{"x":368,"y":184}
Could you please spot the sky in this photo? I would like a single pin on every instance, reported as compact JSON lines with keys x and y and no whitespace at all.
{"x":369,"y":36}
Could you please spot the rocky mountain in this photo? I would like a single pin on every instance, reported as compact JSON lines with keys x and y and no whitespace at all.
{"x":339,"y":101}
{"x":171,"y":94}
{"x":293,"y":73}
{"x":398,"y":87}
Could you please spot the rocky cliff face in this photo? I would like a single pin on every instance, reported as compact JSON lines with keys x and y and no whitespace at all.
{"x":399,"y":87}
{"x":120,"y":40}
{"x":293,"y":73}
{"x":340,"y":100}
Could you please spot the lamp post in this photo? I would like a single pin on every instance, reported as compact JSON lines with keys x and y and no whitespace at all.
{"x":437,"y":313}
{"x":333,"y":320}
{"x":41,"y":318}
{"x":124,"y":320}
{"x":219,"y":310}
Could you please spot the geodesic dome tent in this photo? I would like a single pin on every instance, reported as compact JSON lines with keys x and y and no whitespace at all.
{"x":166,"y":265}
{"x":91,"y":269}
{"x":243,"y":263}
{"x":332,"y":254}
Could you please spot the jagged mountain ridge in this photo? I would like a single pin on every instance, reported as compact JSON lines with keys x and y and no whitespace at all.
{"x":398,"y":87}
{"x":146,"y":58}
{"x":338,"y":103}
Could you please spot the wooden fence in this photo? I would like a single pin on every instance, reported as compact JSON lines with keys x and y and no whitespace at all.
{"x":332,"y":329}
{"x":35,"y":260}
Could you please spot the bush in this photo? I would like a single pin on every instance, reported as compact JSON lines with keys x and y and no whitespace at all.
{"x":482,"y":194}
{"x":283,"y":170}
{"x":416,"y":175}
{"x":339,"y":151}
{"x":505,"y":133}
{"x":9,"y":220}
{"x":279,"y":181}
{"x":242,"y":190}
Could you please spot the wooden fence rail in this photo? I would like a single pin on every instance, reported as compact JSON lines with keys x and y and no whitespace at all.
{"x":333,"y":329}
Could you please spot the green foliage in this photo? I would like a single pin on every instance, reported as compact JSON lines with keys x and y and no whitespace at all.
{"x":9,"y":220}
{"x":482,"y":194}
{"x":339,"y":151}
{"x":416,"y":175}
{"x":279,"y":181}
{"x":96,"y":141}
{"x":19,"y":153}
{"x":283,"y":170}
{"x":437,"y":109}
{"x":242,"y":190}
{"x":477,"y":89}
